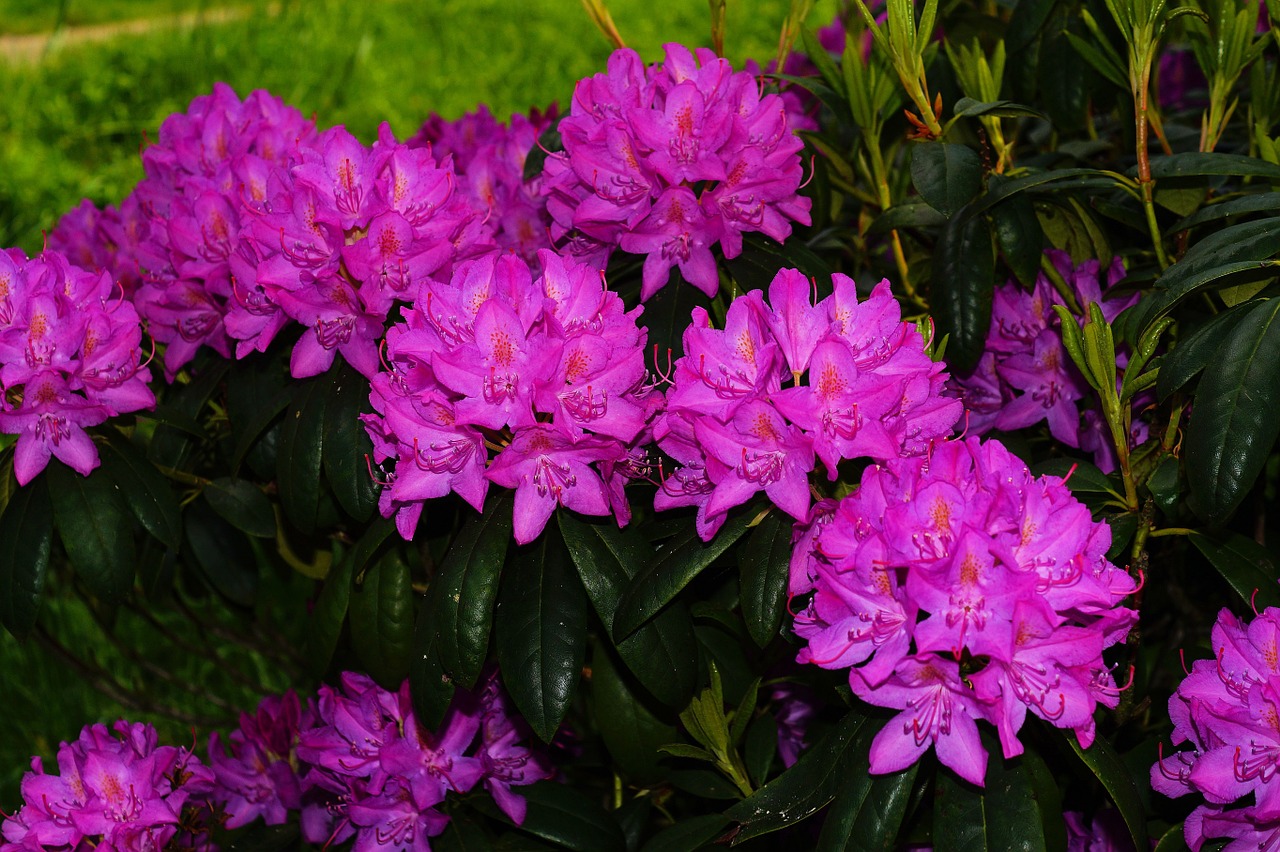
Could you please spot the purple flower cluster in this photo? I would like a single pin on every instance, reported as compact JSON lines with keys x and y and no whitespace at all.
{"x":256,"y":776}
{"x":670,"y":160}
{"x":1228,"y":710}
{"x":956,"y":586}
{"x":861,"y":385}
{"x":373,"y":773}
{"x":71,"y":350}
{"x":113,"y":792}
{"x":547,"y":372}
{"x":489,"y":158}
{"x":1025,"y":375}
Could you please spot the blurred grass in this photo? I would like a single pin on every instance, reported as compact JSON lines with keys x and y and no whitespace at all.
{"x":71,"y":127}
{"x":38,"y":16}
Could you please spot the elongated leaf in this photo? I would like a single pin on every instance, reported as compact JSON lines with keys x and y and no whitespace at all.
{"x":868,"y":811}
{"x":147,"y":493}
{"x":689,"y":834}
{"x":970,"y":108}
{"x":1014,"y":819}
{"x":631,"y":733}
{"x":946,"y":175}
{"x":1011,"y":187}
{"x":242,"y":504}
{"x":1174,"y":840}
{"x":1108,"y":768}
{"x":222,"y":553}
{"x":468,"y":590}
{"x":964,"y":285}
{"x":764,"y":564}
{"x":330,"y":612}
{"x":662,"y":579}
{"x":1019,"y":236}
{"x":666,"y":315}
{"x":567,"y":817}
{"x":1246,"y":566}
{"x":257,"y":391}
{"x":430,"y":687}
{"x":382,"y":620}
{"x":347,"y":447}
{"x":1196,"y":352}
{"x":1196,"y":164}
{"x":1261,"y":202}
{"x":804,"y":788}
{"x":1237,"y":415}
{"x":762,"y":257}
{"x":301,"y":453}
{"x":1082,"y":477}
{"x":959,"y":815}
{"x":171,"y":446}
{"x":26,"y":534}
{"x":909,"y":214}
{"x":96,"y":529}
{"x":541,"y":624}
{"x":663,"y":653}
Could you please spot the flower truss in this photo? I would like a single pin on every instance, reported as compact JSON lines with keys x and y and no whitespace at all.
{"x":1228,"y":710}
{"x":71,"y":350}
{"x":955,"y":586}
{"x":860,"y":384}
{"x":545,"y":373}
{"x":670,"y":160}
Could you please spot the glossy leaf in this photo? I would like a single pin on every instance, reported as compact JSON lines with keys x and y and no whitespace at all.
{"x":1108,"y":768}
{"x":541,"y":626}
{"x":1237,"y":418}
{"x":171,"y":446}
{"x":959,"y":814}
{"x":1014,"y":819}
{"x":256,"y":394}
{"x":145,"y":490}
{"x":689,"y":834}
{"x":468,"y":590}
{"x":764,"y":566}
{"x":663,"y":653}
{"x":430,"y":687}
{"x":1195,"y":164}
{"x":631,"y":733}
{"x":26,"y":535}
{"x":970,"y":108}
{"x":806,"y":787}
{"x":762,"y":257}
{"x":96,"y":529}
{"x":1019,"y":236}
{"x":1260,"y":202}
{"x":330,"y":612}
{"x":1081,"y":476}
{"x":1195,"y":352}
{"x":347,"y":448}
{"x":567,"y":817}
{"x":868,"y":810}
{"x":382,"y":620}
{"x":660,"y":580}
{"x":242,"y":504}
{"x":946,"y":175}
{"x":222,"y":553}
{"x":666,"y":315}
{"x":908,"y":214}
{"x":1247,"y":566}
{"x":301,"y":453}
{"x":964,"y":276}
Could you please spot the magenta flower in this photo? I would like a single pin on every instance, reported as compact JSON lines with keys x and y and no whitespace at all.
{"x":255,"y":777}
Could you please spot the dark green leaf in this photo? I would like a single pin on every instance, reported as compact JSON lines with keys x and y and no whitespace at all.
{"x":804,"y":788}
{"x":703,"y":783}
{"x":1237,"y":419}
{"x":1195,"y":352}
{"x":257,"y":392}
{"x":171,"y":446}
{"x":1019,"y":236}
{"x":430,"y":687}
{"x":1026,"y":22}
{"x":1123,"y":527}
{"x":96,"y":529}
{"x":468,"y":590}
{"x":822,"y":59}
{"x":1259,"y":202}
{"x":565,"y":816}
{"x":764,"y":564}
{"x":963,"y":286}
{"x":541,"y":624}
{"x":548,"y":143}
{"x":222,"y":553}
{"x":330,"y":612}
{"x":1174,"y":840}
{"x":1246,"y":566}
{"x":26,"y":534}
{"x":242,"y":504}
{"x":759,"y":748}
{"x":1196,"y":164}
{"x":970,"y":108}
{"x":174,"y":418}
{"x":1014,"y":818}
{"x":662,"y":654}
{"x":909,"y":214}
{"x":666,"y":315}
{"x":868,"y":810}
{"x":347,"y":448}
{"x":462,"y":835}
{"x":630,"y":732}
{"x":688,"y":835}
{"x":946,"y":175}
{"x":1082,"y":477}
{"x":146,"y":491}
{"x":959,"y":815}
{"x":1064,"y":84}
{"x":1108,"y":768}
{"x":382,"y":620}
{"x":660,"y":580}
{"x":1163,"y":483}
{"x":301,"y":452}
{"x":762,"y":257}
{"x":1008,"y":188}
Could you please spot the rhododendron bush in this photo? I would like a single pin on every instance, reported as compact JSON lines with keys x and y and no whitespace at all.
{"x":873,"y":446}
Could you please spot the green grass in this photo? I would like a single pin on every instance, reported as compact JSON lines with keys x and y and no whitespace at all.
{"x":38,"y":16}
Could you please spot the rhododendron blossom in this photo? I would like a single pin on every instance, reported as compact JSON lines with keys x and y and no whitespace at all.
{"x":671,"y":160}
{"x":956,"y":587}
{"x":858,"y":384}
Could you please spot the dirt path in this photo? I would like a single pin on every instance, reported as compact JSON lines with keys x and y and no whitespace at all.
{"x":28,"y":49}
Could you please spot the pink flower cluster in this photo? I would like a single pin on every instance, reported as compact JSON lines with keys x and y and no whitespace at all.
{"x":255,"y":770}
{"x":373,"y":773}
{"x":1228,"y":710}
{"x":955,"y":586}
{"x":70,"y":350}
{"x":489,"y":158}
{"x":861,"y":385}
{"x":670,"y":160}
{"x":546,"y":372}
{"x":1025,"y":375}
{"x":113,"y":792}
